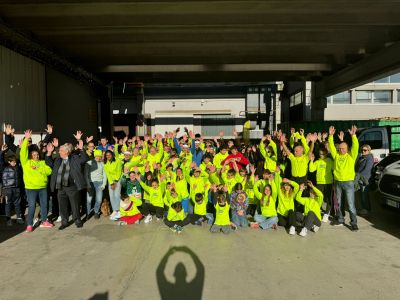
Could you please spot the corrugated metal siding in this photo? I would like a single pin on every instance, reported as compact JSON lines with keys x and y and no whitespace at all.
{"x":22,"y":91}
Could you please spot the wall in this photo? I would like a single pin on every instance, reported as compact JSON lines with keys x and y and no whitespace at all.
{"x":71,"y":105}
{"x":181,"y":112}
{"x":22,"y":92}
{"x":361,"y":112}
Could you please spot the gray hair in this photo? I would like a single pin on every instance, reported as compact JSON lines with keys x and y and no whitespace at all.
{"x":67,"y":147}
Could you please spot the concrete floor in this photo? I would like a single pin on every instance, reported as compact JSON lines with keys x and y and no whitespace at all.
{"x":105,"y":261}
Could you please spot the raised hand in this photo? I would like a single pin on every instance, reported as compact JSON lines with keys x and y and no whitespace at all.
{"x":9,"y":129}
{"x":353,"y":130}
{"x":341,"y":136}
{"x":332,"y":130}
{"x":292,"y":131}
{"x":49,"y":129}
{"x":115,"y":140}
{"x":89,"y":139}
{"x":310,"y":184}
{"x":301,"y":131}
{"x":285,"y":180}
{"x":28,"y":134}
{"x":4,"y":147}
{"x":302,"y":187}
{"x":78,"y":135}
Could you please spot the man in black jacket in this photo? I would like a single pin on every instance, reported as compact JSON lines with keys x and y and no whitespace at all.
{"x":67,"y":178}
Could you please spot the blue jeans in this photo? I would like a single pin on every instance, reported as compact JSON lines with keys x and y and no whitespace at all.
{"x":186,"y":205}
{"x":31,"y":197}
{"x":346,"y":188}
{"x":265,"y":222}
{"x":240,"y":220}
{"x":98,"y":195}
{"x":115,"y":196}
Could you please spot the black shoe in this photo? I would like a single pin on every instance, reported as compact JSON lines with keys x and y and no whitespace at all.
{"x":20,"y":221}
{"x":96,"y":216}
{"x":79,"y":225}
{"x":62,"y":227}
{"x":9,"y":222}
{"x":354,"y":227}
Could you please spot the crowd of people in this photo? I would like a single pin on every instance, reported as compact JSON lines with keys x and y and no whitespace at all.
{"x":296,"y":181}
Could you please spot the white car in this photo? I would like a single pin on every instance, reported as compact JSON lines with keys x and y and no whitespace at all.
{"x":389,"y":185}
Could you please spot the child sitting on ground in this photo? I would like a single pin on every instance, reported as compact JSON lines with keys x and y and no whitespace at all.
{"x":311,"y":219}
{"x":222,"y":221}
{"x":176,"y":218}
{"x":200,"y":208}
{"x":239,"y":205}
{"x":130,"y":213}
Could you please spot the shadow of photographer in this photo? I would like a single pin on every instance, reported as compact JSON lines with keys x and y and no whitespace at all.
{"x":181,"y":289}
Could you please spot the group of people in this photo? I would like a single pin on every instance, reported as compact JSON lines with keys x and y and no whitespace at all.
{"x":181,"y":178}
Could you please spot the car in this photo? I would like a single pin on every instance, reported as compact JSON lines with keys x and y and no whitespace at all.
{"x":389,"y":185}
{"x":379,"y":167}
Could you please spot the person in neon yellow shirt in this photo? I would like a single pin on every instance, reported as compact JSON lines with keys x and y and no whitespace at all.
{"x":113,"y":169}
{"x":324,"y":175}
{"x":129,"y":211}
{"x":269,"y":153}
{"x":286,"y":212}
{"x":344,"y":174}
{"x":311,"y":219}
{"x":176,"y":218}
{"x":156,"y":196}
{"x":200,"y":208}
{"x":268,"y":218}
{"x":221,"y":203}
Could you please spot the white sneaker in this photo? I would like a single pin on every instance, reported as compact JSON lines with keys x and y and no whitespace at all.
{"x":292,"y":230}
{"x":315,"y":228}
{"x":148,"y":219}
{"x":35,"y":221}
{"x":58,"y":219}
{"x":303,"y":232}
{"x":117,"y":215}
{"x":325,"y":218}
{"x":113,"y":215}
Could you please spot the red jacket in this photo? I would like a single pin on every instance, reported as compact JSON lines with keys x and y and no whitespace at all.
{"x":241,"y":162}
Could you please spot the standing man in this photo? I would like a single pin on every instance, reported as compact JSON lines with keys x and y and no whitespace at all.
{"x":68,"y":178}
{"x":344,"y":174}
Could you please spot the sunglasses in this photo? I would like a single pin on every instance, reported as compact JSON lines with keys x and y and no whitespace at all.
{"x":365,"y":150}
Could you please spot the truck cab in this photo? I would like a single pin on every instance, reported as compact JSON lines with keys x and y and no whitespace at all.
{"x":382,"y":139}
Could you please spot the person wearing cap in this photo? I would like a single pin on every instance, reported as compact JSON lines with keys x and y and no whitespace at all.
{"x":96,"y":180}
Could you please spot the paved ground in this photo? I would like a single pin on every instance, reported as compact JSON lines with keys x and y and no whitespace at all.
{"x":105,"y":261}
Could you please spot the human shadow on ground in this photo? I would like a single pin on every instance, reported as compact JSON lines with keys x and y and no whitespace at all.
{"x":99,"y":296}
{"x":181,"y":289}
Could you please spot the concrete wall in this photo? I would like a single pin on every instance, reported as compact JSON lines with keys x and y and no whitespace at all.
{"x":361,"y":112}
{"x":71,"y":105}
{"x":22,"y":92}
{"x":182,"y":111}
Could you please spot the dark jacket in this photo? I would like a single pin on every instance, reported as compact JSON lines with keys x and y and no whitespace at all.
{"x":12,"y":177}
{"x":76,"y":162}
{"x":364,"y":165}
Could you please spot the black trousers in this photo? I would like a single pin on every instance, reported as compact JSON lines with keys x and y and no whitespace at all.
{"x":326,"y":190}
{"x":13,"y":197}
{"x":288,"y":221}
{"x":308,"y":221}
{"x":182,"y":223}
{"x":148,"y":208}
{"x":71,"y":195}
{"x":197,"y":218}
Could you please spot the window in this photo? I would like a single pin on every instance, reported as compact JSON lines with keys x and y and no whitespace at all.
{"x":296,"y":99}
{"x":395,"y":78}
{"x":382,"y":97}
{"x":382,"y":80}
{"x":341,"y":98}
{"x":363,"y":97}
{"x":373,"y":138}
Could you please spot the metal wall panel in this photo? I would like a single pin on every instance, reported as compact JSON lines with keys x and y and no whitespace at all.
{"x":22,"y":91}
